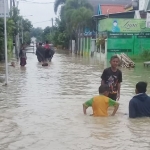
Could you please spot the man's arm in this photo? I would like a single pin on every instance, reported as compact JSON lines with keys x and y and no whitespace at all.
{"x":86,"y":105}
{"x":84,"y":108}
{"x":115,"y":105}
{"x":118,"y":92}
{"x":102,"y":82}
{"x":132,"y":111}
{"x":103,"y":77}
{"x":119,"y":85}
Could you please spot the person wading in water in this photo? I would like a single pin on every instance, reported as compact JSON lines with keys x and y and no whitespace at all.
{"x":22,"y":55}
{"x":40,"y":52}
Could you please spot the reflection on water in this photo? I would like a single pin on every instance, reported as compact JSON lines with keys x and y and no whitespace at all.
{"x":42,"y":108}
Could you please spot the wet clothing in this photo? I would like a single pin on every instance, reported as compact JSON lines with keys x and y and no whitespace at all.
{"x":23,"y":61}
{"x":100,"y":105}
{"x":139,"y":106}
{"x":47,"y":51}
{"x":40,"y":52}
{"x":112,"y":79}
{"x":49,"y":54}
{"x":23,"y":57}
{"x":47,"y":46}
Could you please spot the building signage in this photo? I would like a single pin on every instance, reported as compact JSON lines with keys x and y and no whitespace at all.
{"x":2,"y":8}
{"x":123,"y":25}
{"x":128,"y":35}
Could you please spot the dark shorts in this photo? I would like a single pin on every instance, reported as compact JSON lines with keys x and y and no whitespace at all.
{"x":113,"y":96}
{"x":23,"y":61}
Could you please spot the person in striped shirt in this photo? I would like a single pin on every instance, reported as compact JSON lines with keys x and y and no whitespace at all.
{"x":101,"y":103}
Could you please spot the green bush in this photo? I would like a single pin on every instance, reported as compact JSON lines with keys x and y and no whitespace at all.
{"x":144,"y":56}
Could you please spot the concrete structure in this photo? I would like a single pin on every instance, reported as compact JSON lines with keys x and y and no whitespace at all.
{"x":131,"y":36}
{"x":87,"y":41}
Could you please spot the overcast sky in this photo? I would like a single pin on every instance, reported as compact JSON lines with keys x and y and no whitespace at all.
{"x":42,"y":13}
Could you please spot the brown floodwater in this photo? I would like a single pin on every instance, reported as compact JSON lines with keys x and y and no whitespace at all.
{"x":41,"y":108}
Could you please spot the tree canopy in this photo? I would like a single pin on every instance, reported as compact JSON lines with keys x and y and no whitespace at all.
{"x":75,"y":15}
{"x":13,"y":27}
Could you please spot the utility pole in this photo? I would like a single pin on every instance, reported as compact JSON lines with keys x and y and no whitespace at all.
{"x":22,"y":31}
{"x":5,"y":35}
{"x":51,"y":29}
{"x":17,"y":45}
{"x":52,"y":22}
{"x":13,"y":3}
{"x":11,"y":7}
{"x":14,"y":37}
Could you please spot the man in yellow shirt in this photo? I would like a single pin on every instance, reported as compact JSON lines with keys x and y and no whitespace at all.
{"x":101,"y":103}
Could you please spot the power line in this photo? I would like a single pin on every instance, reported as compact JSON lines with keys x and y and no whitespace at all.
{"x":24,"y":1}
{"x":42,"y":21}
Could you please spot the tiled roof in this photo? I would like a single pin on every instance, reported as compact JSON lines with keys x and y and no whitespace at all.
{"x":111,"y":9}
{"x":95,"y":3}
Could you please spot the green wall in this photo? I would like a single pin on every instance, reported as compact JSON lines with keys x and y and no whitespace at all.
{"x":129,"y":43}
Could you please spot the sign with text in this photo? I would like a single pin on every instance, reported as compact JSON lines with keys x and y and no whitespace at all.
{"x":123,"y":25}
{"x":2,"y":8}
{"x":128,"y":35}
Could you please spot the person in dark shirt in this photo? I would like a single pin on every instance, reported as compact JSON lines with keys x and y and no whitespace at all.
{"x":40,"y":52}
{"x":139,"y":105}
{"x":112,"y":76}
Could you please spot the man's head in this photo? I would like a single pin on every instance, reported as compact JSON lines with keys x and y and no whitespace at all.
{"x":40,"y":44}
{"x":141,"y":87}
{"x":115,"y":23}
{"x":104,"y":89}
{"x":114,"y":61}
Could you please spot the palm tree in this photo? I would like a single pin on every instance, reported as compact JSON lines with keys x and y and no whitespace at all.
{"x":57,"y":4}
{"x":73,"y":3}
{"x":77,"y":13}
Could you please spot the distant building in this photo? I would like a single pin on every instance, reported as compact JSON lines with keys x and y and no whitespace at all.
{"x":122,"y":23}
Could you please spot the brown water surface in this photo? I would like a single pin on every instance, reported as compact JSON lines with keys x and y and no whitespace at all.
{"x":41,"y":108}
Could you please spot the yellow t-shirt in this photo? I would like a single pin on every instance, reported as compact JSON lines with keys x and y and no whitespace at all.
{"x":100,"y":105}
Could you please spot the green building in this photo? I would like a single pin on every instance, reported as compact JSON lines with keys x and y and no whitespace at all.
{"x":118,"y":31}
{"x":125,"y":35}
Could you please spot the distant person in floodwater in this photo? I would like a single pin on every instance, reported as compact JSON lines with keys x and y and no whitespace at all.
{"x":22,"y":55}
{"x":47,"y":50}
{"x":101,"y":103}
{"x":112,"y":76}
{"x":139,"y":105}
{"x":47,"y":46}
{"x":40,"y":52}
{"x":12,"y":64}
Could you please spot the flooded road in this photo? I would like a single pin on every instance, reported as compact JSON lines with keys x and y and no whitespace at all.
{"x":41,"y":109}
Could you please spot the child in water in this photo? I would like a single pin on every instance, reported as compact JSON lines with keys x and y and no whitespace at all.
{"x":22,"y":55}
{"x":12,"y":64}
{"x":101,"y":103}
{"x":112,"y":76}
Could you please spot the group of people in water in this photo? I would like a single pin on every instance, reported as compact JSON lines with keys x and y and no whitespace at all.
{"x":109,"y":95}
{"x":109,"y":90}
{"x":44,"y":53}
